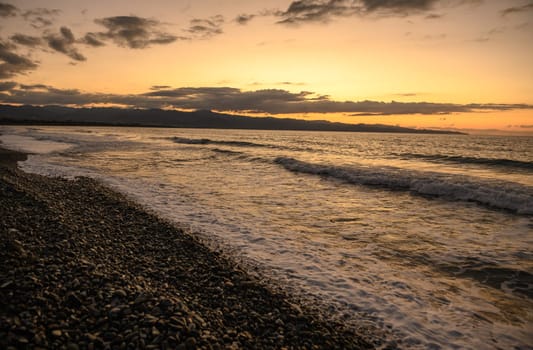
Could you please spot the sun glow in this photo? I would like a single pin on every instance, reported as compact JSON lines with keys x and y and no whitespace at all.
{"x":452,"y":54}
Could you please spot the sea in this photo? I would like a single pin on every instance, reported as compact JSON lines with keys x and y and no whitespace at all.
{"x":424,"y":240}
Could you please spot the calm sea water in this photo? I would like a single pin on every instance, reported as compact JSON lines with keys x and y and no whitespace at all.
{"x":427,"y":237}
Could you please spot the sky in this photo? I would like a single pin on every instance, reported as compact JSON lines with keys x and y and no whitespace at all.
{"x":442,"y":64}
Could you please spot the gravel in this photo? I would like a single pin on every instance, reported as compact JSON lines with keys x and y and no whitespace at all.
{"x":81,"y":267}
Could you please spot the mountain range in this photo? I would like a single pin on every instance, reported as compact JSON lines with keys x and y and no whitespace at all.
{"x":105,"y":116}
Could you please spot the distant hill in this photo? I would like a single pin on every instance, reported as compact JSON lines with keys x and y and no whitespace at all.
{"x":59,"y":115}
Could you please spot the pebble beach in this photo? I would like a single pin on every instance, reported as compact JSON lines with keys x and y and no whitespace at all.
{"x":83,"y":267}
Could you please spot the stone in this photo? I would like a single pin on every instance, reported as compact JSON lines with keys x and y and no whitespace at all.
{"x":6,"y":284}
{"x":134,"y":281}
{"x":190,"y":342}
{"x":73,"y":300}
{"x":72,"y":346}
{"x":115,"y":312}
{"x":120,"y":293}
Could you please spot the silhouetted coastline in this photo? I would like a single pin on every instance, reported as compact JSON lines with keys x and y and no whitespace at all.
{"x":60,"y":115}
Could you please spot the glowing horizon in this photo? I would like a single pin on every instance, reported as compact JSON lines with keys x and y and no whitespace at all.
{"x":447,"y":64}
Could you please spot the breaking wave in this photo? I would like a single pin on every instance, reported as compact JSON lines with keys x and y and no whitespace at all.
{"x":501,"y":162}
{"x":187,"y":141}
{"x":502,"y":195}
{"x":232,"y":143}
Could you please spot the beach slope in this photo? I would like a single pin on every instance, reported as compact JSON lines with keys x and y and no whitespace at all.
{"x":83,"y":267}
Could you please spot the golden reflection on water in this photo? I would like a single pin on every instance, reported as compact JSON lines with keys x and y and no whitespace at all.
{"x":416,"y":262}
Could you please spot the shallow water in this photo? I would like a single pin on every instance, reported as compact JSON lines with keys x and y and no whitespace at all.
{"x":429,"y":237}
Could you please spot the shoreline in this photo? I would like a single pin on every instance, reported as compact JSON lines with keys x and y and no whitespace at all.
{"x":84,"y":267}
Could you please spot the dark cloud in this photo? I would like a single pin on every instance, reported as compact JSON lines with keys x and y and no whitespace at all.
{"x":165,"y":38}
{"x":40,"y":17}
{"x":407,"y":94}
{"x":11,"y":63}
{"x":35,"y":87}
{"x":7,"y":10}
{"x":67,"y":34}
{"x":7,"y":85}
{"x":433,"y":16}
{"x":26,"y":40}
{"x":92,"y":39}
{"x":291,"y":83}
{"x":160,"y":87}
{"x":405,"y":6}
{"x":268,"y":101}
{"x":226,"y":98}
{"x":41,"y":12}
{"x":319,"y":10}
{"x":64,"y":43}
{"x":134,"y":32}
{"x":244,"y":18}
{"x":517,"y":9}
{"x":275,"y":101}
{"x":497,"y":106}
{"x":41,"y":22}
{"x":301,"y":11}
{"x":206,"y":28}
{"x":40,"y":94}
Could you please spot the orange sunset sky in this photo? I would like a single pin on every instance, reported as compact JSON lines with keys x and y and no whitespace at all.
{"x":451,"y":64}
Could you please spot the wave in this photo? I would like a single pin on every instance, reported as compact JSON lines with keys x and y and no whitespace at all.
{"x":226,"y":151}
{"x":502,"y":195}
{"x":232,"y":143}
{"x":506,"y":278}
{"x":188,"y":141}
{"x":509,"y":279}
{"x":503,"y":162}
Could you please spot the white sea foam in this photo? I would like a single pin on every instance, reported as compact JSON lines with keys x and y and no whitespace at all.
{"x":509,"y":196}
{"x":435,"y":273}
{"x":33,"y":145}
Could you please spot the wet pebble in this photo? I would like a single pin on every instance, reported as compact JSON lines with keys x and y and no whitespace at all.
{"x":84,"y":268}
